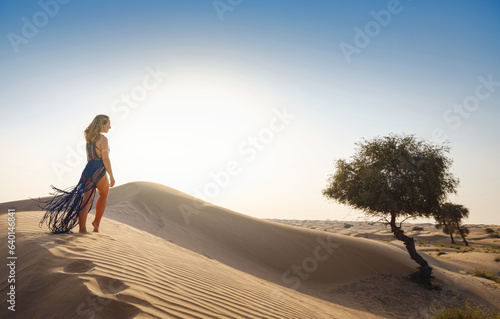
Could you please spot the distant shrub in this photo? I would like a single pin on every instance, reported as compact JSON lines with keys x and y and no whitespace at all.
{"x":346,"y":225}
{"x":439,"y":253}
{"x":497,"y":259}
{"x":490,"y":249}
{"x":466,"y":249}
{"x":417,"y":228}
{"x":492,"y":233}
{"x":464,"y":311}
{"x":449,"y":245}
{"x":485,"y":274}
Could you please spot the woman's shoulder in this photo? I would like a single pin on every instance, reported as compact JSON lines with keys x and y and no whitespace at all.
{"x":102,"y":143}
{"x":102,"y":138}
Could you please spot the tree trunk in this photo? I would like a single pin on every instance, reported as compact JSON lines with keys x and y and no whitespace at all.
{"x":425,"y":270}
{"x":450,"y":231}
{"x":463,"y":237}
{"x":462,"y":234}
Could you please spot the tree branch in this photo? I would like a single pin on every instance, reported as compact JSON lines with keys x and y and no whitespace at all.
{"x":387,"y":222}
{"x":403,"y":221}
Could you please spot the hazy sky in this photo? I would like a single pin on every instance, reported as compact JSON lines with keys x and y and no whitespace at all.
{"x":247,"y":103}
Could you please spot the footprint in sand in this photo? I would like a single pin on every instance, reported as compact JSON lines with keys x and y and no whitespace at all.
{"x":79,"y":266}
{"x":133,"y":300}
{"x":110,"y":285}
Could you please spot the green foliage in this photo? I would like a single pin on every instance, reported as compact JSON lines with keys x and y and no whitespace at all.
{"x":464,"y":311}
{"x":449,"y":218}
{"x":444,"y":227}
{"x":396,"y":174}
{"x":417,"y":228}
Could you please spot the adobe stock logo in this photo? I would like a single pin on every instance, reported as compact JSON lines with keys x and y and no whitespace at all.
{"x":309,"y":264}
{"x":221,"y":7}
{"x":362,"y":38}
{"x":454,"y":116}
{"x":40,"y":19}
{"x":131,"y":100}
{"x":77,"y":154}
{"x":248,"y":148}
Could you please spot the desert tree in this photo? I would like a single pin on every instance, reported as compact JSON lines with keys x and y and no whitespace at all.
{"x":395,"y":177}
{"x":449,"y":218}
{"x":446,"y":226}
{"x":444,"y":222}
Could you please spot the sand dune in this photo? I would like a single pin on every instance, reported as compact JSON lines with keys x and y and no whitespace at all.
{"x":164,"y":254}
{"x":129,"y":273}
{"x":255,"y":246}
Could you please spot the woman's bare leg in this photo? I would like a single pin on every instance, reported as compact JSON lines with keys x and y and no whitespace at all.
{"x":82,"y":215}
{"x":103,"y":188}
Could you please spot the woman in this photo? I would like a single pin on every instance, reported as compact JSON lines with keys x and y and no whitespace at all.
{"x":70,"y":207}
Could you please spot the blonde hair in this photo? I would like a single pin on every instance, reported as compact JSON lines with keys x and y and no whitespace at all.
{"x":93,"y":132}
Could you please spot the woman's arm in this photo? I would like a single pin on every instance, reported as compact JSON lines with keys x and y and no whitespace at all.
{"x":106,"y":160}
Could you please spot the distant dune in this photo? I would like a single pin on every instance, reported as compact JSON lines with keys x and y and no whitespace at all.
{"x":161,"y":253}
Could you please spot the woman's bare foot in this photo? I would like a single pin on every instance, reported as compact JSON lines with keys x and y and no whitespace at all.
{"x":83,"y":231}
{"x":96,"y":226}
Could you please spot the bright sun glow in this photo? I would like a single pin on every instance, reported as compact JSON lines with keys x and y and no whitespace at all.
{"x":190,"y":126}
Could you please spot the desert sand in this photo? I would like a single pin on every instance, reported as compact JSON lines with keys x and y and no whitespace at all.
{"x":161,"y":253}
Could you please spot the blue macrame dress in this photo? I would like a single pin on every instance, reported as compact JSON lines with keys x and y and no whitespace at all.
{"x":61,"y":211}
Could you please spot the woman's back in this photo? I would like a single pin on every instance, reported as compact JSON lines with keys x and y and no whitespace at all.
{"x":94,"y":149}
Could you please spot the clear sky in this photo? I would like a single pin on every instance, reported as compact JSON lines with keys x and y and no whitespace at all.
{"x":247,"y":103}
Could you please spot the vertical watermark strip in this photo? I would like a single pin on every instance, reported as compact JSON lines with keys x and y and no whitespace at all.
{"x":11,"y":259}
